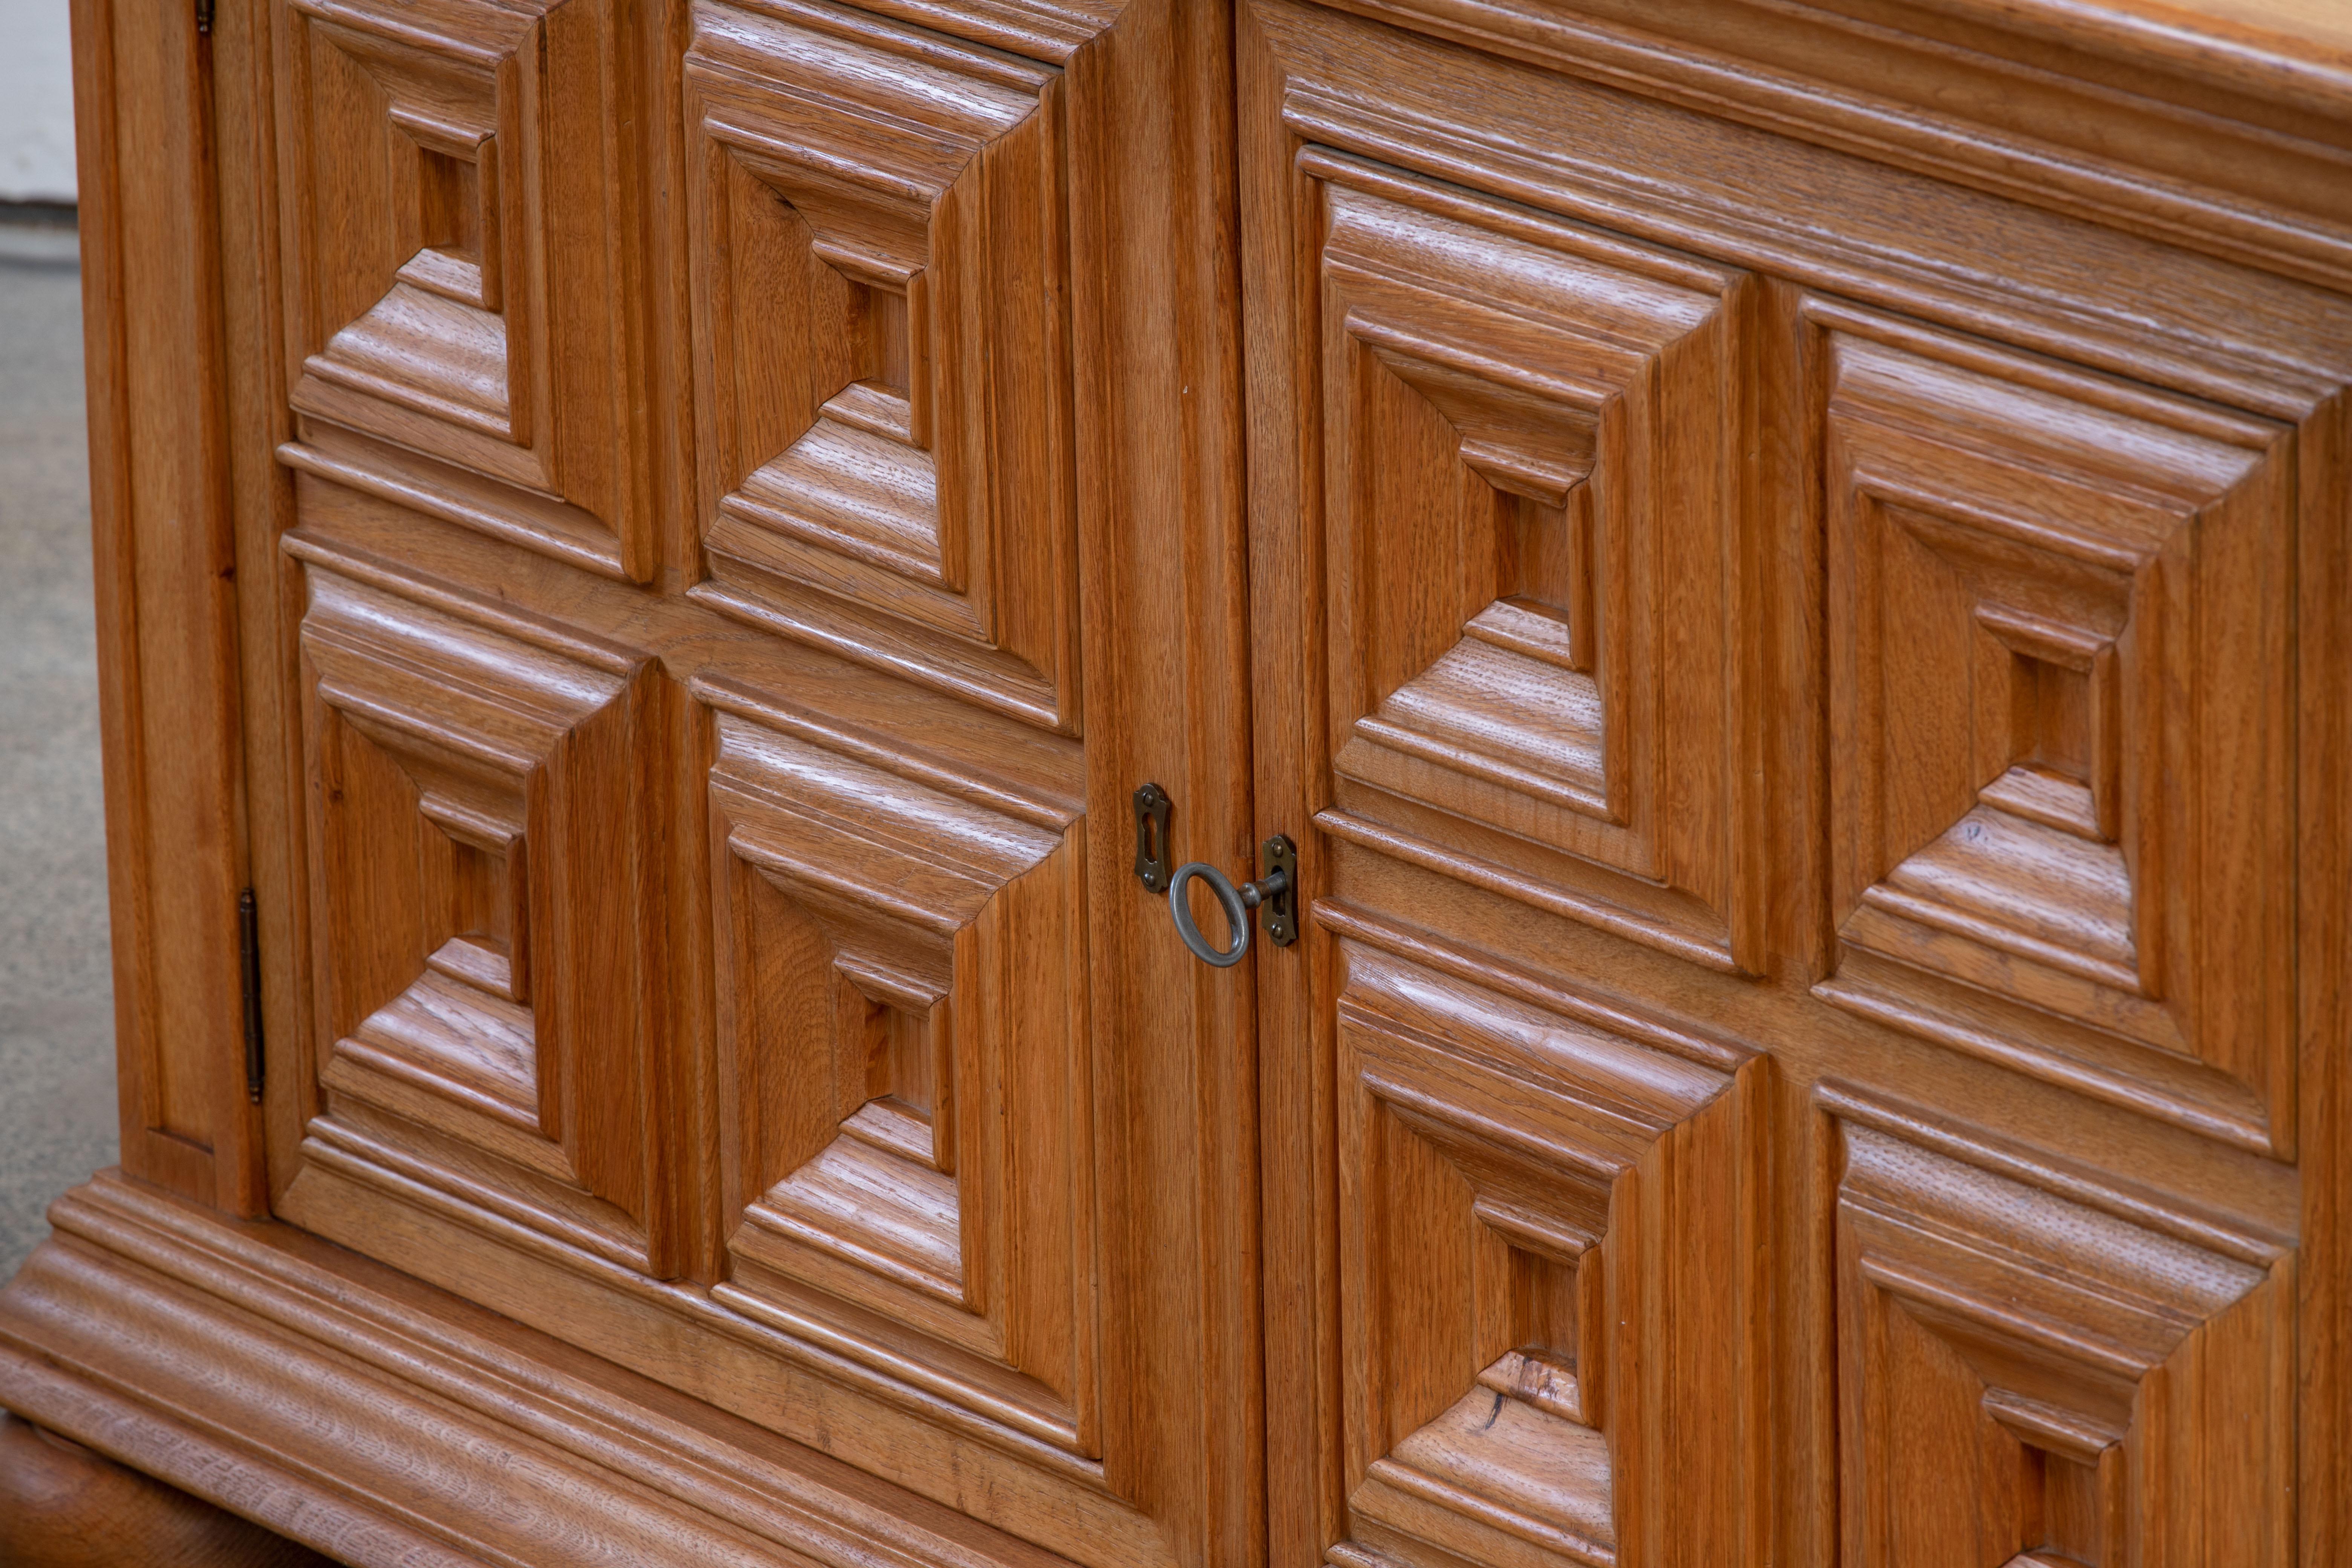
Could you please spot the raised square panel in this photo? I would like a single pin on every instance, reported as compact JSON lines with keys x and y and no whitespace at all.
{"x":2059,"y":622}
{"x":902,"y":1052}
{"x":1545,"y":1286}
{"x":881,"y":350}
{"x":477,"y":1024}
{"x":456,"y":336}
{"x":1530,"y":447}
{"x":2036,"y":1372}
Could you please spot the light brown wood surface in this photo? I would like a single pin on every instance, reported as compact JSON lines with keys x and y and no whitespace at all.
{"x":1968,"y":658}
{"x":1783,"y":566}
{"x":62,"y":1505}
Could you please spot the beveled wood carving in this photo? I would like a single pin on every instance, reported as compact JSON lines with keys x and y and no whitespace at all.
{"x":1784,"y":567}
{"x":902,"y":1039}
{"x":1531,"y":445}
{"x":2049,"y":1378}
{"x":2059,"y":652}
{"x":481,"y":1021}
{"x":454,"y":199}
{"x":881,"y":349}
{"x":915,"y":1117}
{"x":1543,"y":1280}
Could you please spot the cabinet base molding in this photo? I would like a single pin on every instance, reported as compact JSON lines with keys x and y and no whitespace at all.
{"x":381,"y":1421}
{"x":62,"y":1505}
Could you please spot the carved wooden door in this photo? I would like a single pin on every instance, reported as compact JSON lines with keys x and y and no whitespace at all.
{"x":697,"y":431}
{"x":1801,"y":652}
{"x":1789,"y":721}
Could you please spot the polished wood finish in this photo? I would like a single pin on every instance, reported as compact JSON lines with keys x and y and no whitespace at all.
{"x":166,"y":568}
{"x":701,"y":971}
{"x":1925,"y":569}
{"x":1785,"y":567}
{"x":62,"y":1505}
{"x":561,"y":1455}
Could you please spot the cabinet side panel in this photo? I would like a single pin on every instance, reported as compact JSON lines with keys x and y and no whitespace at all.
{"x":2324,"y":856}
{"x":165,"y":596}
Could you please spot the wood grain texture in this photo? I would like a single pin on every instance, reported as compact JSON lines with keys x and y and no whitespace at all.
{"x":465,"y":788}
{"x":901,"y":1036}
{"x":2324,"y":948}
{"x":2014,"y":467}
{"x":458,"y":209}
{"x":1545,"y":1283}
{"x":1784,"y":563}
{"x":2024,"y":1375}
{"x":863,"y":1135}
{"x":2058,"y":641}
{"x":165,"y":571}
{"x":882,"y":349}
{"x":406,"y":1390}
{"x":1557,"y":419}
{"x":2216,"y":128}
{"x":62,"y":1505}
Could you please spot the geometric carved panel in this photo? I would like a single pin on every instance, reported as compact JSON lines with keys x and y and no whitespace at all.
{"x":900,"y":988}
{"x":1531,"y":456}
{"x":881,"y":351}
{"x":1545,"y":1282}
{"x":2059,"y":622}
{"x":456,"y":339}
{"x":2044,"y":1378}
{"x":477,"y":1012}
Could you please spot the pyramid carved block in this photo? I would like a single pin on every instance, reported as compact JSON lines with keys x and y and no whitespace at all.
{"x":2046,"y":1375}
{"x":1529,"y":436}
{"x":454,"y":334}
{"x":461,"y":780}
{"x":1545,"y":1292}
{"x":2059,"y":621}
{"x":880,"y":342}
{"x":900,"y":1007}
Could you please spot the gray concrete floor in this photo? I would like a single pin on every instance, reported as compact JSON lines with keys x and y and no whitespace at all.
{"x":56,"y":1017}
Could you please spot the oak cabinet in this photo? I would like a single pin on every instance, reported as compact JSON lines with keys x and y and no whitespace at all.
{"x":1781,"y":570}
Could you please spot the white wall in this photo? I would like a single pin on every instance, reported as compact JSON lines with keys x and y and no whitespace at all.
{"x":37,"y":145}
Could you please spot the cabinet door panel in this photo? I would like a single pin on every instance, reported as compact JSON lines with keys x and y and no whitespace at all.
{"x":881,"y":351}
{"x":1517,"y":456}
{"x":465,"y":789}
{"x":708,"y":958}
{"x":2058,"y":629}
{"x":901,"y":1034}
{"x":456,"y":205}
{"x":1796,"y":692}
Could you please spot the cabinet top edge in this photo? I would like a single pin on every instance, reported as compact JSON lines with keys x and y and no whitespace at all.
{"x":2223,"y":126}
{"x":2307,"y":40}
